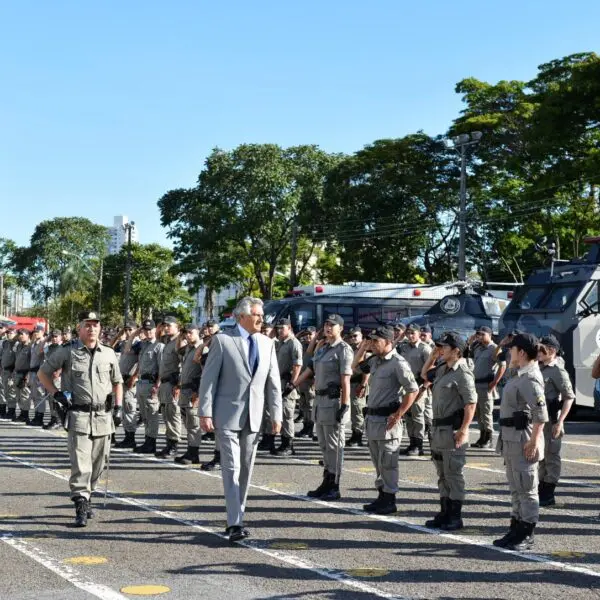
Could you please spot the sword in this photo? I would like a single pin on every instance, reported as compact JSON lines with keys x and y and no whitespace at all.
{"x":107,"y":467}
{"x":339,"y":454}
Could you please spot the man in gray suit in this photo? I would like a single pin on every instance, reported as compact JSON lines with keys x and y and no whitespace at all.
{"x":240,"y":373}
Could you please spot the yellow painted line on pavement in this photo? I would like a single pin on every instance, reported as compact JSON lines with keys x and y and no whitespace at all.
{"x":9,"y":516}
{"x":368,"y":572}
{"x":366,"y":469}
{"x":568,"y":554}
{"x":479,"y":464}
{"x":86,"y":560}
{"x":19,"y":452}
{"x":145,"y":590}
{"x":591,"y":461}
{"x":289,"y":546}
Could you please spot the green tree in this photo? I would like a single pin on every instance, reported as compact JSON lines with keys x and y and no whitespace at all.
{"x":242,"y":210}
{"x":155,"y":288}
{"x":7,"y":253}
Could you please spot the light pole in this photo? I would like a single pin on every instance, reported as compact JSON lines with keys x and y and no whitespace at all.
{"x":90,"y":270}
{"x":127,"y":228}
{"x":460,"y":143}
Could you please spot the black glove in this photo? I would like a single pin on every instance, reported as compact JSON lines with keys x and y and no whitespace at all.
{"x":288,"y":389}
{"x":341,"y":411}
{"x":62,"y":399}
{"x":117,"y":416}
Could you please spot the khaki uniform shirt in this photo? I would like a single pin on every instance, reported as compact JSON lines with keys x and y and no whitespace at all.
{"x":557,"y":386}
{"x":37,"y":355}
{"x":485,"y":363}
{"x":523,"y":392}
{"x":190,"y":371}
{"x":22,"y":361}
{"x":128,"y":359}
{"x":8,"y":353}
{"x":170,"y":359}
{"x":416,"y":356}
{"x":150,"y":358}
{"x":330,"y":362}
{"x":391,"y":378}
{"x":289,"y":355}
{"x":90,"y":377}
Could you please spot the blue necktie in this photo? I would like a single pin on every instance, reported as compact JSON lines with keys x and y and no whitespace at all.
{"x":252,"y":355}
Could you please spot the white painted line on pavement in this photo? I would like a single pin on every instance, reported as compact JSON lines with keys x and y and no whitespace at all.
{"x":65,"y":571}
{"x":334,"y":574}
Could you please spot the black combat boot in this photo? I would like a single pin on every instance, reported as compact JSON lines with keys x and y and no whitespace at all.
{"x":323,"y":487}
{"x":2,"y":411}
{"x":113,"y":439}
{"x":479,"y":442}
{"x":90,"y":510}
{"x":169,"y":451}
{"x":387,"y":506}
{"x":128,"y":441}
{"x":489,"y":439}
{"x":509,"y":535}
{"x":410,"y":449}
{"x":373,"y":505}
{"x":546,"y":493}
{"x":523,"y":538}
{"x":11,"y":414}
{"x":23,"y":417}
{"x":53,"y":423}
{"x":208,"y":437}
{"x":333,"y":489}
{"x":353,"y":439}
{"x":190,"y":457}
{"x":454,"y":520}
{"x":286,"y":448}
{"x":148,"y":447}
{"x":419,"y":445}
{"x":267,"y":443}
{"x":442,"y":516}
{"x":214,"y":464}
{"x":306,"y":430}
{"x":37,"y":421}
{"x":81,"y":508}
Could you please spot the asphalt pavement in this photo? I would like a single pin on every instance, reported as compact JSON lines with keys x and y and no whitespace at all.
{"x":161,"y":531}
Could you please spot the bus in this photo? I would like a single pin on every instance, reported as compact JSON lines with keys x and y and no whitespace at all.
{"x":562,"y":300}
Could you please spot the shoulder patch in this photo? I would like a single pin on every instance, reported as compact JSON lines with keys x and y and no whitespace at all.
{"x":540,"y":401}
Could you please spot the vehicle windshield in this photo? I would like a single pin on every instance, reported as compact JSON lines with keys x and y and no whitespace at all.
{"x":273,"y":310}
{"x":546,"y":298}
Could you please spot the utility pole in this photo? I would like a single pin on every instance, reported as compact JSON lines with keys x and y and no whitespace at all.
{"x":1,"y":293}
{"x":294,"y":253}
{"x":100,"y":285}
{"x":128,"y":227}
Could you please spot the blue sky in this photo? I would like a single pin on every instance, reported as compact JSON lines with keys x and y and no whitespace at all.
{"x":107,"y":105}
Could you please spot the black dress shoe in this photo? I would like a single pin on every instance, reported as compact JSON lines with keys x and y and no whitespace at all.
{"x":237,"y":533}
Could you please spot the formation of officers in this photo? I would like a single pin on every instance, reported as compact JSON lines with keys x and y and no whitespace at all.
{"x":379,"y":384}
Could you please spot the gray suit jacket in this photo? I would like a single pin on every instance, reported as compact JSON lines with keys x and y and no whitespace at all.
{"x":228,"y":391}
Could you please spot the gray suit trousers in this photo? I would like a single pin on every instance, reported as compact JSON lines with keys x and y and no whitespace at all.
{"x":238,"y":450}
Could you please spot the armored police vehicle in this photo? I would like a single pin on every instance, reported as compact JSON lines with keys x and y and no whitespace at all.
{"x":563,"y":300}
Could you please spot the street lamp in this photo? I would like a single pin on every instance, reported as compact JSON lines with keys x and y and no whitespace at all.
{"x":90,"y":270}
{"x":460,"y":143}
{"x":128,"y":227}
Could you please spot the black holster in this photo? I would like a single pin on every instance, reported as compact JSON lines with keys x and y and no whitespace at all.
{"x":521,"y":419}
{"x":108,"y":405}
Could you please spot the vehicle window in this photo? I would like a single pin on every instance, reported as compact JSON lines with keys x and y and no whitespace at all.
{"x":345,"y":311}
{"x":393,"y":313}
{"x":303,"y":316}
{"x":369,"y":316}
{"x":275,"y":310}
{"x":531,"y":297}
{"x":559,"y":297}
{"x":591,"y":297}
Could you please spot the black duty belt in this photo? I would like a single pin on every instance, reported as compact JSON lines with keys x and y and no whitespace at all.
{"x":88,"y":408}
{"x":34,"y":369}
{"x":330,"y":391}
{"x":445,"y":421}
{"x":9,"y":369}
{"x":554,"y":407}
{"x":22,"y":371}
{"x":383,"y":411}
{"x":486,"y":379}
{"x":520,"y":420}
{"x":148,"y":378}
{"x":455,"y":419}
{"x":188,"y":386}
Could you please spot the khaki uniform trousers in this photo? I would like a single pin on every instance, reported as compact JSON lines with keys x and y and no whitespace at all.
{"x":328,"y":431}
{"x":129,"y":409}
{"x":522,"y":481}
{"x":415,"y":419}
{"x":449,"y":463}
{"x":148,"y":405}
{"x":484,"y":412}
{"x":385,"y":454}
{"x":38,"y":394}
{"x":8,"y":384}
{"x":192,"y":420}
{"x":23,"y":397}
{"x":289,"y":412}
{"x":170,"y":410}
{"x":549,"y":469}
{"x":357,"y":420}
{"x":306,"y":402}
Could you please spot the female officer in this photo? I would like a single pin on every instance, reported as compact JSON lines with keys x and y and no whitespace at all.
{"x":453,"y":401}
{"x":522,"y":417}
{"x":332,"y":367}
{"x":559,"y":399}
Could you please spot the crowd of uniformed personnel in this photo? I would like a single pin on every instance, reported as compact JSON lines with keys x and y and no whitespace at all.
{"x":380,"y":383}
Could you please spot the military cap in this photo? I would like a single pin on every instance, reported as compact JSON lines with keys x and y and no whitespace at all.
{"x":267,"y":326}
{"x":526,"y":342}
{"x":130,"y":325}
{"x":88,"y":315}
{"x":484,"y":329}
{"x":452,"y":339}
{"x":382,"y":333}
{"x":412,"y":327}
{"x":283,"y":322}
{"x":170,"y":319}
{"x":425,"y":329}
{"x":56,"y":332}
{"x":355,"y":330}
{"x":23,"y":330}
{"x":335,"y":320}
{"x":311,"y":329}
{"x":148,"y":324}
{"x":190,"y":327}
{"x":39,"y":327}
{"x":212,"y":323}
{"x":550,"y":341}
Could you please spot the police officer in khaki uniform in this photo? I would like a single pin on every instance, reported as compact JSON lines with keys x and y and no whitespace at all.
{"x":168,"y":391}
{"x":22,"y":361}
{"x":453,"y":401}
{"x":2,"y":397}
{"x":289,"y":360}
{"x":53,"y":344}
{"x":523,"y":413}
{"x":358,"y":393}
{"x":8,"y":372}
{"x":392,"y":390}
{"x":127,"y":347}
{"x":188,"y":395}
{"x":559,"y":399}
{"x":488,"y":372}
{"x":149,"y":359}
{"x":331,"y":366}
{"x":416,"y":353}
{"x":38,"y":394}
{"x":307,"y":387}
{"x":91,"y":374}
